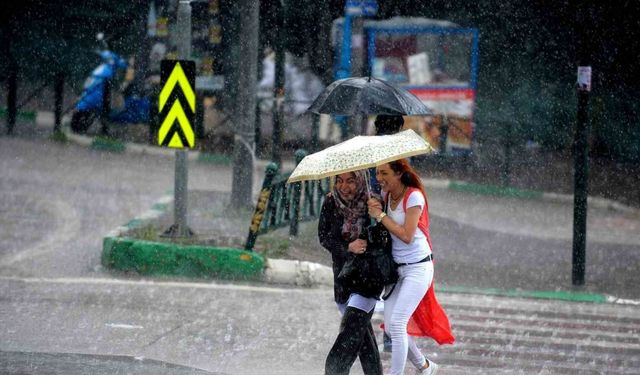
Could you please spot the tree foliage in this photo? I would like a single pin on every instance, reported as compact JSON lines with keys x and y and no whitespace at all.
{"x":48,"y":36}
{"x":527,"y":63}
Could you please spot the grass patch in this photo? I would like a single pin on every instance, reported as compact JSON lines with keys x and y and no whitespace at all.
{"x":60,"y":137}
{"x":499,"y":191}
{"x":159,"y":258}
{"x":272,"y":246}
{"x":146,"y":233}
{"x":103,"y":143}
{"x":154,"y":233}
{"x":219,"y":159}
{"x":20,"y":115}
{"x":227,"y":211}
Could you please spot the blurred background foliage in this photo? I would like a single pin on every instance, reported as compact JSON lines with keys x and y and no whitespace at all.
{"x":527,"y":69}
{"x":48,"y":36}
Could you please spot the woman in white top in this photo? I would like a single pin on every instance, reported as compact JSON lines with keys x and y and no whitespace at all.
{"x":412,"y":252}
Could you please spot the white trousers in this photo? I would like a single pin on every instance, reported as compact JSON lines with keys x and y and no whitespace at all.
{"x":413,"y":283}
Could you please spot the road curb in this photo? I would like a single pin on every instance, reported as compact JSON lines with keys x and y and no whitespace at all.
{"x":494,"y":190}
{"x":29,"y":116}
{"x":299,"y":273}
{"x":571,"y":296}
{"x":123,"y":253}
{"x":512,"y":192}
{"x":113,"y":145}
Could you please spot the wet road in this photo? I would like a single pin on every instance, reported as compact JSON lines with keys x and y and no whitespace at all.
{"x":245,"y":329}
{"x":57,"y":201}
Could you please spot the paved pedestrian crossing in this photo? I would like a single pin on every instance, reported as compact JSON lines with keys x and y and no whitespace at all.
{"x":500,"y":335}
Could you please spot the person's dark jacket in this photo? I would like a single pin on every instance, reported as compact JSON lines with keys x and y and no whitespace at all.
{"x":330,"y":236}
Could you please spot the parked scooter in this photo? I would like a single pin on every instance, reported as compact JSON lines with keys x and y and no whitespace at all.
{"x":136,"y":103}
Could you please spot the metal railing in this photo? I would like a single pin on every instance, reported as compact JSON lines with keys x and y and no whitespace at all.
{"x":281,"y":204}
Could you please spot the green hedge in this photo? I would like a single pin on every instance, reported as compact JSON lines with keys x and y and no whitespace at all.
{"x":158,"y":258}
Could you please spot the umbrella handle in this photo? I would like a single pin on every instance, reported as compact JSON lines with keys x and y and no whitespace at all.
{"x":368,"y":183}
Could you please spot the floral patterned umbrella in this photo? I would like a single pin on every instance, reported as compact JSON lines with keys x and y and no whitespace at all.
{"x":360,"y":152}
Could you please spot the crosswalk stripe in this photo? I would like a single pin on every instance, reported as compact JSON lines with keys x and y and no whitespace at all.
{"x":500,"y":335}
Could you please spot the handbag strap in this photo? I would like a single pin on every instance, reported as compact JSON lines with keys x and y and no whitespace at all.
{"x":386,"y":296}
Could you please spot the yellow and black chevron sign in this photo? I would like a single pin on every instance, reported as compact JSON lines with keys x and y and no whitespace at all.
{"x":177,"y":103}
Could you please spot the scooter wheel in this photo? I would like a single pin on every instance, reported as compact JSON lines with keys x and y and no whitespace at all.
{"x":81,"y":121}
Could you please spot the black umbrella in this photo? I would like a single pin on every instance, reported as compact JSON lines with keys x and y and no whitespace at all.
{"x":368,"y":96}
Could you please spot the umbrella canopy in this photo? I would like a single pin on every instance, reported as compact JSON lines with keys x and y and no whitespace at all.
{"x":359,"y":153}
{"x":368,"y":96}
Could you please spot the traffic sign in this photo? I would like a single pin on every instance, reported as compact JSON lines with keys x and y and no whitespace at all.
{"x":361,"y":8}
{"x":177,"y":103}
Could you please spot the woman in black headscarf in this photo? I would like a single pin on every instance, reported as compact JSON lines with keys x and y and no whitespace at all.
{"x":342,"y":231}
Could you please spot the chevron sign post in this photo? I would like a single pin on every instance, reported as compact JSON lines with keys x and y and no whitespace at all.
{"x":177,"y":104}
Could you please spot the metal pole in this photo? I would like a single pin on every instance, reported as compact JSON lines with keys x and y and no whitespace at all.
{"x":581,"y":153}
{"x":261,"y":207}
{"x":12,"y":97}
{"x":182,"y":170}
{"x":199,"y":125}
{"x":278,"y":83}
{"x":58,"y":89}
{"x":508,"y":143}
{"x":296,"y":192}
{"x":356,"y":122}
{"x":357,"y":47}
{"x":257,"y":139}
{"x":315,"y":133}
{"x":345,"y":70}
{"x":106,"y":107}
{"x":581,"y":179}
{"x":345,"y":54}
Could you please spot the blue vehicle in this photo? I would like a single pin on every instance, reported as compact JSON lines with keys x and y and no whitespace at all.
{"x":89,"y":106}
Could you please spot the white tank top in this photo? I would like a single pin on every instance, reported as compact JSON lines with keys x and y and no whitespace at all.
{"x":418,"y":248}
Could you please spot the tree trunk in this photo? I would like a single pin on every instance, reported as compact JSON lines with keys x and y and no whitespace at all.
{"x":244,"y":147}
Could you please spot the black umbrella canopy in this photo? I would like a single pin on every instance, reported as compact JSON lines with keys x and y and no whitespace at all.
{"x":368,"y":96}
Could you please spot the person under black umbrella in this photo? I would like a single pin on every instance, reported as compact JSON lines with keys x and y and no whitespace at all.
{"x":384,"y":125}
{"x":388,"y":124}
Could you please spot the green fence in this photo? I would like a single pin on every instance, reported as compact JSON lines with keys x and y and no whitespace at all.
{"x":281,"y":204}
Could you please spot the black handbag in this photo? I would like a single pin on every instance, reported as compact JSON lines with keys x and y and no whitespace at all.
{"x":367,"y":274}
